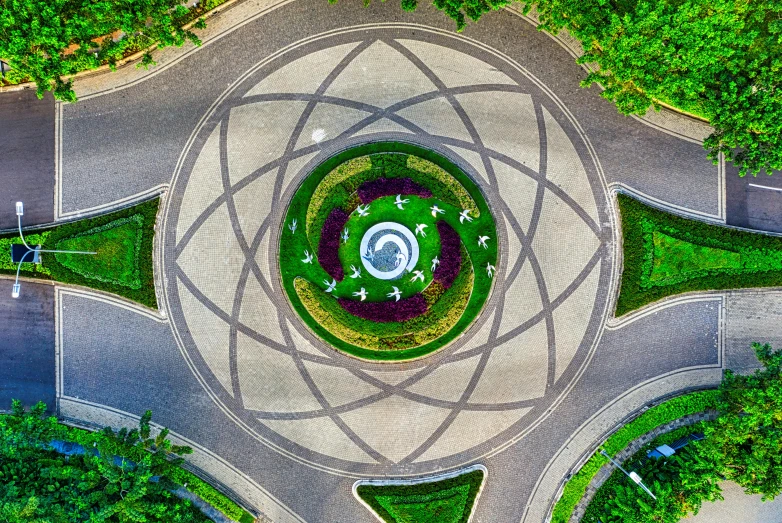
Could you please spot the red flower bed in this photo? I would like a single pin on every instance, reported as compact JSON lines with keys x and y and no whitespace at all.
{"x":450,"y":255}
{"x":328,"y":248}
{"x":369,"y":191}
{"x":386,"y":311}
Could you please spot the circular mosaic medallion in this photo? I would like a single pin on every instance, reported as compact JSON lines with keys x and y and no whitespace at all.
{"x":229,"y":220}
{"x":388,"y":250}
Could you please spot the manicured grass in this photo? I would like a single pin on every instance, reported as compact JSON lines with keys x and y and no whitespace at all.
{"x":333,"y":184}
{"x":666,"y":255}
{"x":654,"y":417}
{"x":445,"y":501}
{"x":123,"y":241}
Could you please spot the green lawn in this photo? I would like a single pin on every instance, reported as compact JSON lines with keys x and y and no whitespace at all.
{"x":446,"y":501}
{"x":665,"y":255}
{"x":123,"y":241}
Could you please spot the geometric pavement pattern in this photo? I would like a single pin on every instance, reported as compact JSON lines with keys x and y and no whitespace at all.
{"x":258,"y":360}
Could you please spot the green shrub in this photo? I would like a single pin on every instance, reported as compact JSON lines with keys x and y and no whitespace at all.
{"x":665,"y":255}
{"x":654,"y":417}
{"x":124,"y":242}
{"x":445,"y":501}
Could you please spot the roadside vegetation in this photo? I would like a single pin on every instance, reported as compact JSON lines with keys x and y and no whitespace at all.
{"x":718,"y":59}
{"x":50,"y":472}
{"x":123,"y":241}
{"x":665,"y":255}
{"x":741,"y":445}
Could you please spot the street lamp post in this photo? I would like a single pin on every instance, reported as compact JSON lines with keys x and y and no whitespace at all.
{"x":17,"y":288}
{"x":632,"y":475}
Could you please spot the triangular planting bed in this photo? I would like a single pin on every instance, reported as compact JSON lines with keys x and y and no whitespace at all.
{"x":448,"y":498}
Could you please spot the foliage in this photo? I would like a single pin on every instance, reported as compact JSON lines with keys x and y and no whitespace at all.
{"x":43,"y":485}
{"x":666,"y":255}
{"x":745,"y":440}
{"x":448,"y":313}
{"x":445,"y":501}
{"x":450,"y":255}
{"x":210,"y":494}
{"x":718,"y":58}
{"x":386,"y":311}
{"x":372,"y":190}
{"x":124,"y":241}
{"x":45,"y":41}
{"x":654,"y":417}
{"x":328,"y":247}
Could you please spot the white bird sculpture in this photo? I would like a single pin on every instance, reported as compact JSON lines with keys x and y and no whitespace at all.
{"x":307,"y":257}
{"x":399,"y":259}
{"x":345,"y":235}
{"x":363,"y":211}
{"x":420,"y":228}
{"x":463,"y":216}
{"x":362,"y":293}
{"x":490,"y":269}
{"x":418,"y":275}
{"x":356,"y":272}
{"x":399,"y":201}
{"x":436,"y":210}
{"x":330,"y":286}
{"x":292,"y":226}
{"x":482,"y":241}
{"x":435,"y":263}
{"x":397,"y":293}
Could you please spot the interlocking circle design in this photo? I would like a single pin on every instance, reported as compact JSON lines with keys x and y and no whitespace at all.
{"x":389,"y":82}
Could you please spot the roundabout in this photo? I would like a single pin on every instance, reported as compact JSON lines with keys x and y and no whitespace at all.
{"x":264,"y":354}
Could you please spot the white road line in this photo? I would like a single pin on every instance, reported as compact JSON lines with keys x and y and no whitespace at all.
{"x":765,"y":187}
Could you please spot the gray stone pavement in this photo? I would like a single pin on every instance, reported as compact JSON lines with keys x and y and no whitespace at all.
{"x":27,"y":364}
{"x":26,"y":157}
{"x":754,"y":202}
{"x":738,"y":506}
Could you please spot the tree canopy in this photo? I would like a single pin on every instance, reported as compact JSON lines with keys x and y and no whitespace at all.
{"x":47,"y":40}
{"x":719,"y":59}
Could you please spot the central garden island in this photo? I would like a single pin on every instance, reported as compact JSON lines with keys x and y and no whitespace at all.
{"x":388,"y":251}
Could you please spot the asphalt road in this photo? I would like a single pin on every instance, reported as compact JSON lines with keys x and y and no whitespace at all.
{"x":754,"y":202}
{"x":26,"y":157}
{"x":27,"y":370}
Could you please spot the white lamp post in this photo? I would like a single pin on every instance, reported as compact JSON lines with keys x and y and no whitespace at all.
{"x":17,"y":288}
{"x":632,"y":475}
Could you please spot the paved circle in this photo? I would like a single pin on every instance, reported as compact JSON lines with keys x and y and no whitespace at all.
{"x":323,"y":95}
{"x":373,"y":252}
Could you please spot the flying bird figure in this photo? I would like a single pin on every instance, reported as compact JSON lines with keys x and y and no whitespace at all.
{"x":418,"y":275}
{"x":399,"y":201}
{"x":362,"y":293}
{"x":399,"y":259}
{"x":490,"y":269}
{"x":436,"y":210}
{"x":435,"y":263}
{"x":397,"y":293}
{"x":482,"y":241}
{"x":420,"y":228}
{"x":307,"y":257}
{"x":292,"y":226}
{"x":463,"y":216}
{"x":345,"y":235}
{"x":363,"y":211}
{"x":330,"y":286}
{"x":356,"y":272}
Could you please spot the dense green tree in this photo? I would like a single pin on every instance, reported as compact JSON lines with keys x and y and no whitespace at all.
{"x":745,"y":442}
{"x":720,"y":59}
{"x":38,"y":484}
{"x":47,"y":40}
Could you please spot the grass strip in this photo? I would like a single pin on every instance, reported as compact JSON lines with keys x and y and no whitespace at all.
{"x":661,"y":414}
{"x":665,"y":255}
{"x":124,"y":242}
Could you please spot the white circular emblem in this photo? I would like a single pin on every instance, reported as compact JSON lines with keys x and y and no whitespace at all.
{"x":388,"y":249}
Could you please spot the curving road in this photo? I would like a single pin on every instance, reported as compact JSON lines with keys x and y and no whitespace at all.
{"x":227,"y":131}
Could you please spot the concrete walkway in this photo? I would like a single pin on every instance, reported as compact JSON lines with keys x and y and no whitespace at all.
{"x":738,"y":506}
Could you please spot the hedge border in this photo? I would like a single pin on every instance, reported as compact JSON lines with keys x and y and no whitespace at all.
{"x":474,"y":475}
{"x":145,"y":295}
{"x":670,"y":410}
{"x":633,"y":294}
{"x":298,"y":208}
